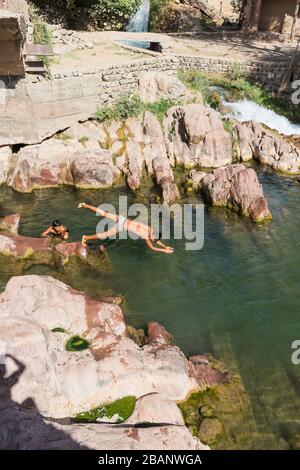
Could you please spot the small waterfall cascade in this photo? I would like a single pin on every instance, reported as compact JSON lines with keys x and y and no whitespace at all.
{"x":140,"y":20}
{"x":246,"y":110}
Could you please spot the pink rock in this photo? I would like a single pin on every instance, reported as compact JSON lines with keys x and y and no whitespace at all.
{"x":236,"y":187}
{"x":269,"y":149}
{"x":206,"y":372}
{"x":17,"y":245}
{"x":158,"y":335}
{"x":164,"y":177}
{"x":11,"y":223}
{"x":69,"y":249}
{"x":194,"y":135}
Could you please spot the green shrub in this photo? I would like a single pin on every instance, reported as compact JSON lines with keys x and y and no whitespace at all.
{"x":130,"y":105}
{"x":97,"y":14}
{"x":160,"y":107}
{"x":156,"y":8}
{"x":42,"y":34}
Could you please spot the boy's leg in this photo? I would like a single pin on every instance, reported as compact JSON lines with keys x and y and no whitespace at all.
{"x":99,"y":236}
{"x":101,"y":212}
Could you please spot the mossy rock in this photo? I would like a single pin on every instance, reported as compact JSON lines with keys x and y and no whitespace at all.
{"x":206,"y":411}
{"x":137,"y":335}
{"x":58,"y":330}
{"x":211,"y":429}
{"x":77,"y":344}
{"x":122,"y":409}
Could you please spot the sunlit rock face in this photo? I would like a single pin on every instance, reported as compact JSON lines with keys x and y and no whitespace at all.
{"x":236,"y":187}
{"x":194,"y":135}
{"x":254,"y":141}
{"x":39,"y":315}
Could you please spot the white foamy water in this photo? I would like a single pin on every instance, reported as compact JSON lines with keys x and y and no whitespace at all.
{"x":248,"y":110}
{"x":140,"y":20}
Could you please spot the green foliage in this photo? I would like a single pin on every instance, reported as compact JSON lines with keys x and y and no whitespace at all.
{"x":239,"y":89}
{"x":160,"y":107}
{"x":76,"y":343}
{"x":98,"y":14}
{"x":156,"y":8}
{"x":123,"y":408}
{"x":42,"y":34}
{"x":130,"y":105}
{"x":58,"y":330}
{"x":236,"y":71}
{"x":83,"y":139}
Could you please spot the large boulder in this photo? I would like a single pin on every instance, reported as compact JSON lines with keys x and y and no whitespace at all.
{"x":93,"y":169}
{"x":64,"y":383}
{"x":56,"y":162}
{"x":195,"y":136}
{"x":35,"y":250}
{"x":236,"y":187}
{"x":254,"y":141}
{"x":154,"y":86}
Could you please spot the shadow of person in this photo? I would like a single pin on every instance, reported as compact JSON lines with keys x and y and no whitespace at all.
{"x":22,"y":427}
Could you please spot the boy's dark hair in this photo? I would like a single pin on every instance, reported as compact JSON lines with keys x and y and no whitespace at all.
{"x":56,"y":223}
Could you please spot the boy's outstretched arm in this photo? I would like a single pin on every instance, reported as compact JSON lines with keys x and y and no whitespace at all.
{"x":46,"y":232}
{"x":167,"y":250}
{"x":160,"y":243}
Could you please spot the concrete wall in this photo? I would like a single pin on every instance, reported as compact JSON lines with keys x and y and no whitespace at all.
{"x":273,"y":12}
{"x":16,"y":6}
{"x":30,"y":112}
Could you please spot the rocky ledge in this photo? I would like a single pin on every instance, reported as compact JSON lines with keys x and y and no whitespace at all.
{"x":236,"y":187}
{"x":92,"y":155}
{"x":25,"y":252}
{"x":46,"y":383}
{"x":254,"y":141}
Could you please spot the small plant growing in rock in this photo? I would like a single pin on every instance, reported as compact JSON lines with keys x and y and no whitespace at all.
{"x":76,"y":344}
{"x":83,"y":140}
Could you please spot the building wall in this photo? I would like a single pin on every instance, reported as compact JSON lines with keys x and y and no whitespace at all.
{"x":273,"y":14}
{"x":16,"y":6}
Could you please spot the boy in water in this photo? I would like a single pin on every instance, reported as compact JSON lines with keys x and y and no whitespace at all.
{"x":122,"y":223}
{"x":57,"y":230}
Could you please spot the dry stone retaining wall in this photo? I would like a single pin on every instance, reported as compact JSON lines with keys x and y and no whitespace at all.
{"x":34,"y":109}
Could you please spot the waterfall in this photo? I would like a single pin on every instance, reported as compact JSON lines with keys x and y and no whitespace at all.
{"x":246,"y":110}
{"x":250,"y":111}
{"x":140,"y":20}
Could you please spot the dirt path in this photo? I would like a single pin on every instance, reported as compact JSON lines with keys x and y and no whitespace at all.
{"x":107,"y":52}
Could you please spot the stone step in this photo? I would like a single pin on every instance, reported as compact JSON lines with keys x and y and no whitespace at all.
{"x":35,"y":66}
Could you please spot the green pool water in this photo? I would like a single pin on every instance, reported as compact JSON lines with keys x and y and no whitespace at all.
{"x":237,"y":298}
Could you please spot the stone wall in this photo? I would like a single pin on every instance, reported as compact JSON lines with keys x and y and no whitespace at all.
{"x":33,"y":109}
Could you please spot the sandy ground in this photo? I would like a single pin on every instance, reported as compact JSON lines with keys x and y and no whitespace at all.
{"x":106,"y":52}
